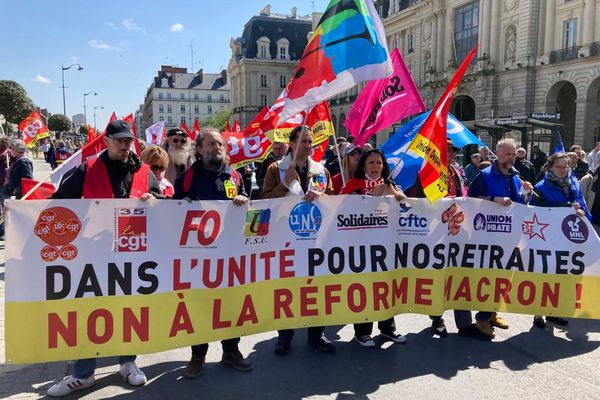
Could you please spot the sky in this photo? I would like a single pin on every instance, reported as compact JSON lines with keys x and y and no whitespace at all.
{"x":120,"y":45}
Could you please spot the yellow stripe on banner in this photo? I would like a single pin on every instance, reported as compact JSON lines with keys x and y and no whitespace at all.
{"x":425,"y":148}
{"x":321,"y":131}
{"x":104,"y":326}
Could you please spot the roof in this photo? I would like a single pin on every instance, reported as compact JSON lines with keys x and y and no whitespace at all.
{"x":275,"y":27}
{"x":191,"y":81}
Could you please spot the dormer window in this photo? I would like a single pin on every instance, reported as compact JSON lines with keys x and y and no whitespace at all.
{"x":283,"y":49}
{"x":164,"y":82}
{"x":263,"y":48}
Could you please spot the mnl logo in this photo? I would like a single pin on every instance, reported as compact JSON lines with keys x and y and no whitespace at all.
{"x":57,"y":227}
{"x":534,"y":228}
{"x":305,"y":220}
{"x":131,"y":230}
{"x":575,"y":229}
{"x":454,"y":217}
{"x":492,"y":223}
{"x":375,"y":220}
{"x":257,"y":226}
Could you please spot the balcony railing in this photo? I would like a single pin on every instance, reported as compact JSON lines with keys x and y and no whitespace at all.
{"x":595,"y":49}
{"x":566,"y":54}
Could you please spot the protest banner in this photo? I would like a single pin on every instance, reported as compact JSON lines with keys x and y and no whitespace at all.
{"x":92,"y":278}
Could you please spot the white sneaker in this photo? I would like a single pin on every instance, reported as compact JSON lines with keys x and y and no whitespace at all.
{"x":132,"y":373}
{"x":365,"y":340}
{"x":70,"y":384}
{"x":394,"y":337}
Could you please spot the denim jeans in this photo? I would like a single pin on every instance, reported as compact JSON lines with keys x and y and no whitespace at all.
{"x":85,"y":368}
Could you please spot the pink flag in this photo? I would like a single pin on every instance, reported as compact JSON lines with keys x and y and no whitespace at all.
{"x":384,"y":102}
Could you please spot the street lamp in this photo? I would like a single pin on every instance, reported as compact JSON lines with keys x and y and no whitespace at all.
{"x":95,"y":108}
{"x":63,"y":69}
{"x":84,"y":110}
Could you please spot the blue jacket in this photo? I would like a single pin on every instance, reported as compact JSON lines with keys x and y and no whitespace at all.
{"x":491,"y":182}
{"x":550,"y":195}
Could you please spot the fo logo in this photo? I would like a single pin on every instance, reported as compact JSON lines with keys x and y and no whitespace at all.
{"x":57,"y":227}
{"x":206,"y":225}
{"x":257,"y":223}
{"x":131,"y":232}
{"x":305,"y":220}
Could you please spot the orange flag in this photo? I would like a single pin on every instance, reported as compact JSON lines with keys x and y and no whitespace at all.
{"x":33,"y":128}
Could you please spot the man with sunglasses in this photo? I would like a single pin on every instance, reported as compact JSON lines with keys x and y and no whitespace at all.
{"x":116,"y":173}
{"x":181,"y":153}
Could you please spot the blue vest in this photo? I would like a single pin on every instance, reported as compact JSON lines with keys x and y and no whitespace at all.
{"x":555,"y":197}
{"x":497,"y":184}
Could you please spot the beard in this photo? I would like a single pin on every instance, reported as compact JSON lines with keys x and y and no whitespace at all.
{"x":178,"y":156}
{"x":507,"y":164}
{"x":215,"y":160}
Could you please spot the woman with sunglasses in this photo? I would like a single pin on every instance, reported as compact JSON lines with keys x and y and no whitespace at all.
{"x":350,"y":160}
{"x":371,"y":178}
{"x":158,"y":160}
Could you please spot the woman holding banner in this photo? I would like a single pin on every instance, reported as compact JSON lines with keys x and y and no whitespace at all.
{"x":370,"y":178}
{"x":558,"y":188}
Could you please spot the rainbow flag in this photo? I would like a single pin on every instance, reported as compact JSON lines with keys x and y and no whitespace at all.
{"x":348,"y":46}
{"x":431,"y":141}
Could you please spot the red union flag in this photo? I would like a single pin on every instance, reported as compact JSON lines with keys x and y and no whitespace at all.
{"x":243,"y":150}
{"x":32,"y":128}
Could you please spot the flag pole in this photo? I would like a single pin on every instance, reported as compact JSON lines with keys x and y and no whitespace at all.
{"x":33,"y":189}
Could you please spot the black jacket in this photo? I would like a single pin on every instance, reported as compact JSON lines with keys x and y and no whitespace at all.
{"x":526,"y":170}
{"x":208,"y":185}
{"x":22,"y":168}
{"x":119,"y":173}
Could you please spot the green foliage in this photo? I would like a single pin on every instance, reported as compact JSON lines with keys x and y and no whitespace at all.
{"x":217,"y":120}
{"x":59,"y":123}
{"x":82,"y":130}
{"x":15,"y":105}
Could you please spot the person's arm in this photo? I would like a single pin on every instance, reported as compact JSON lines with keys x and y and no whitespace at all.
{"x":71,"y":186}
{"x":273,"y":188}
{"x":538,"y":199}
{"x":154,"y":186}
{"x":329,"y":189}
{"x":478,"y":187}
{"x":178,"y":188}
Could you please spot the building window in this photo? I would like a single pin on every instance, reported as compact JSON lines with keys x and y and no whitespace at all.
{"x":196,"y":109}
{"x":466,"y":33}
{"x":263,"y":48}
{"x":183,"y":120}
{"x":210,"y":109}
{"x":169,"y":109}
{"x":182,"y":96}
{"x":209,"y":97}
{"x":161,"y":108}
{"x":182,"y":109}
{"x":283,"y":49}
{"x":263,"y":80}
{"x":222,"y":98}
{"x":160,"y":96}
{"x":195,"y":96}
{"x":570,"y":37}
{"x":168,"y":95}
{"x":411,"y":42}
{"x":282,"y":81}
{"x":169,"y":120}
{"x":263,"y":100}
{"x":161,"y":118}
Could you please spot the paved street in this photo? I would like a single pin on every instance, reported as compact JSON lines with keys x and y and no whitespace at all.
{"x":521,"y":363}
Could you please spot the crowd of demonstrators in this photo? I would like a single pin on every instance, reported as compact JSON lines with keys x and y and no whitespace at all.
{"x":471,"y":168}
{"x":278,"y":151}
{"x":332,"y":162}
{"x":592,"y":157}
{"x":558,"y":188}
{"x":117,"y":173}
{"x":371,"y":178}
{"x":298,"y":174}
{"x":211,"y":178}
{"x":158,"y":160}
{"x":524,"y":166}
{"x":62,"y":153}
{"x":181,"y":154}
{"x":538,"y":159}
{"x":581,"y":165}
{"x":20,"y":166}
{"x":499,"y":183}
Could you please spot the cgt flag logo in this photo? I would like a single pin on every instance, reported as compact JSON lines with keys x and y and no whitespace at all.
{"x":57,"y":227}
{"x":131,"y":230}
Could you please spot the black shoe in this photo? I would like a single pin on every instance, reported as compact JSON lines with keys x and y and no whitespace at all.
{"x":438,"y":327}
{"x":558,"y":321}
{"x":194,"y":367}
{"x":283,"y":347}
{"x":322,"y":344}
{"x":539,"y":322}
{"x":236,"y":360}
{"x":471,"y":331}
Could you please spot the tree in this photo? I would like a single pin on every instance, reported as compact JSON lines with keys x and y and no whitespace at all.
{"x":15,"y":105}
{"x":82,"y":130}
{"x":217,"y":120}
{"x":59,"y":123}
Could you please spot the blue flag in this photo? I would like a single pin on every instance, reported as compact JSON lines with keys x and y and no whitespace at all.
{"x":396,"y":146}
{"x":560,"y":148}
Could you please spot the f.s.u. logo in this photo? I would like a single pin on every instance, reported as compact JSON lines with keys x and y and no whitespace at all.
{"x":257,"y":222}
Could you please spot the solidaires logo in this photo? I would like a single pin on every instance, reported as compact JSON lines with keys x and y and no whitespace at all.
{"x":305,"y":220}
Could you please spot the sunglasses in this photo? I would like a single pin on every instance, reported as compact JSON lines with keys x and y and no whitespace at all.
{"x":175,"y":140}
{"x":157,"y":168}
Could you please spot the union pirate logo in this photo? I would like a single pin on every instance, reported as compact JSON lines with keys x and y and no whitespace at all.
{"x":57,"y":227}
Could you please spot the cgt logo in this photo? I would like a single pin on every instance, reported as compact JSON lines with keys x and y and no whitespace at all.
{"x":131,"y":232}
{"x":201,"y":228}
{"x":57,"y":227}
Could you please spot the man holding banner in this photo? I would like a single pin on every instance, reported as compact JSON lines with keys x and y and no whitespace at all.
{"x":211,"y":178}
{"x":116,"y":173}
{"x":297,"y":174}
